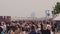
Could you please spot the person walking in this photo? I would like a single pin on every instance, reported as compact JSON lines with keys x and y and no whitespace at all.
{"x":45,"y":30}
{"x":32,"y":30}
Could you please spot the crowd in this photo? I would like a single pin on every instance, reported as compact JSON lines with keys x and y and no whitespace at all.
{"x":26,"y":28}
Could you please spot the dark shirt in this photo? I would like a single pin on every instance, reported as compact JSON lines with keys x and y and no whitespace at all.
{"x":41,"y":26}
{"x":53,"y":29}
{"x":45,"y":31}
{"x":33,"y":32}
{"x":8,"y":28}
{"x":13,"y":28}
{"x":27,"y":29}
{"x":1,"y":30}
{"x":23,"y":29}
{"x":39,"y":32}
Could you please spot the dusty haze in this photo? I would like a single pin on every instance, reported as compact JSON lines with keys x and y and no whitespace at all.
{"x":26,"y":7}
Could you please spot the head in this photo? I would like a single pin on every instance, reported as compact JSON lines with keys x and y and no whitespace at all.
{"x":49,"y":27}
{"x":44,"y":26}
{"x":36,"y":26}
{"x":32,"y":28}
{"x":13,"y":24}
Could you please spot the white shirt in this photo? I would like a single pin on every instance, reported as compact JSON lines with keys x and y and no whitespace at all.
{"x":51,"y":32}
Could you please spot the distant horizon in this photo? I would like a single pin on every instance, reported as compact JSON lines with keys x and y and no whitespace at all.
{"x":25,"y":8}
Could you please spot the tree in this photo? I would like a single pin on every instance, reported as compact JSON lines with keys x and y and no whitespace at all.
{"x":57,"y":8}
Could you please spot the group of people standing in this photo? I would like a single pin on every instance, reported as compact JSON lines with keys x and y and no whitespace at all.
{"x":26,"y":28}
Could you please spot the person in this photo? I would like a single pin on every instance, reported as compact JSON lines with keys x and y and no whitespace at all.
{"x":24,"y":32}
{"x":4,"y":27}
{"x":27,"y":28}
{"x":8,"y":28}
{"x":49,"y":27}
{"x":13,"y":27}
{"x":12,"y":32}
{"x":45,"y":30}
{"x":39,"y":30}
{"x":0,"y":28}
{"x":53,"y":29}
{"x":32,"y":30}
{"x":41,"y":26}
{"x":18,"y":30}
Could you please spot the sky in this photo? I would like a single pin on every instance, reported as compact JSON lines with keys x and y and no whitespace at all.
{"x":24,"y":8}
